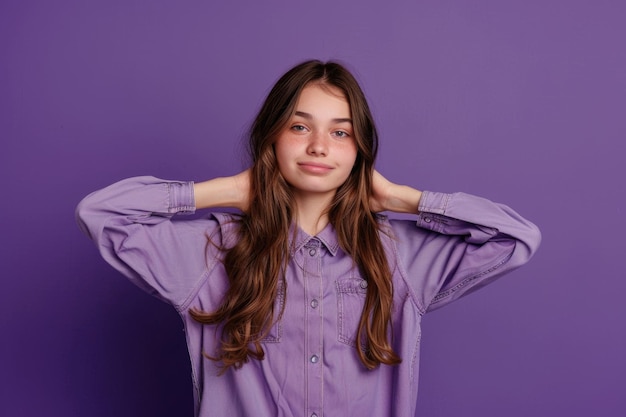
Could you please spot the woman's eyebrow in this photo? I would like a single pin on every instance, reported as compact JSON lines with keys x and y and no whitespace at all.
{"x":309,"y":116}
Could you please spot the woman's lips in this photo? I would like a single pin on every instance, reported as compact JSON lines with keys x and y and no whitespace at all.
{"x":315,"y":167}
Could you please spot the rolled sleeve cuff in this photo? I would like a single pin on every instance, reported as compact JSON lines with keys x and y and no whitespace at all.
{"x":181,"y":198}
{"x":431,"y":208}
{"x":432,"y":202}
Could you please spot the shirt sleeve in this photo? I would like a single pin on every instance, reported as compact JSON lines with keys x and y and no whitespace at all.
{"x":461,"y":243}
{"x":131,"y":224}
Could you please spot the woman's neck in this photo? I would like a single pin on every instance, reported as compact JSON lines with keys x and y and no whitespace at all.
{"x":312,"y":212}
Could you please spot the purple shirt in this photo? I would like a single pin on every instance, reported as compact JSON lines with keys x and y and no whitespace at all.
{"x":311,"y":367}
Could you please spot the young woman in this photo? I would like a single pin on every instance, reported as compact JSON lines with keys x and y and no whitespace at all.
{"x":309,"y":302}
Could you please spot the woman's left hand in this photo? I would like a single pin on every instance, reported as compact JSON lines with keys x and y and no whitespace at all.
{"x":387,"y":196}
{"x":380,"y":192}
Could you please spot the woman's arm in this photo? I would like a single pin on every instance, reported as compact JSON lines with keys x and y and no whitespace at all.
{"x":462,"y":242}
{"x":387,"y":196}
{"x":130,"y":223}
{"x":224,"y":192}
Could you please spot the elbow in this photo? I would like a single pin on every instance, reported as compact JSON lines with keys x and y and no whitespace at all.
{"x":83,"y":213}
{"x":534,"y":240}
{"x":527,"y":244}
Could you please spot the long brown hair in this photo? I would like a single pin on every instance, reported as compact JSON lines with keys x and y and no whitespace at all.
{"x":255,"y":264}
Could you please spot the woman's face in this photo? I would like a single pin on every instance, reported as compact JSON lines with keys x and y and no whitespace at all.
{"x":316,"y":151}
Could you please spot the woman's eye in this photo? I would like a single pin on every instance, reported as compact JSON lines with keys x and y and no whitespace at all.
{"x":298,"y":128}
{"x":341,"y":134}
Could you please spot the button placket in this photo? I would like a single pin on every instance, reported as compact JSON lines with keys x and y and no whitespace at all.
{"x":312,"y":267}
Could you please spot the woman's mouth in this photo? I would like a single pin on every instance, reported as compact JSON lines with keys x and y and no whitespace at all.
{"x":315,"y":167}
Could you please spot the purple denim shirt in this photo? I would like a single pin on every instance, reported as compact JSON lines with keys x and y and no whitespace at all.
{"x":311,"y":368}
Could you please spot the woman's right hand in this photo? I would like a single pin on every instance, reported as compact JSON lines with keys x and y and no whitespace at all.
{"x":224,"y":192}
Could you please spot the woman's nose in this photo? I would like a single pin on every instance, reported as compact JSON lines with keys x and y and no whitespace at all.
{"x":318,"y":145}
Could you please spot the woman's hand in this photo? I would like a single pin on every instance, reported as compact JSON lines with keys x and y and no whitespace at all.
{"x":387,"y":196}
{"x":224,"y":192}
{"x":380,"y":192}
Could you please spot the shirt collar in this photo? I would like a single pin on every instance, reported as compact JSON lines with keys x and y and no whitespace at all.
{"x":327,"y":237}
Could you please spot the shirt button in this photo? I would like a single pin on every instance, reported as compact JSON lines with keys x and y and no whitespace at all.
{"x":363,"y":284}
{"x":313,"y":415}
{"x":314,"y":303}
{"x":315,"y":359}
{"x":427,"y":219}
{"x":312,"y":252}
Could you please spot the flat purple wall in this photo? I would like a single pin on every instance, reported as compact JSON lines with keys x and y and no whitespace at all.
{"x":523,"y":102}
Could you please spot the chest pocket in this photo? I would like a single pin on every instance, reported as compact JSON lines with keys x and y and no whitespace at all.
{"x":276,"y":331}
{"x":350,"y":301}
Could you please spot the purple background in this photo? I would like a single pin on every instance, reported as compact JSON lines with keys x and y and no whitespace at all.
{"x":523,"y":102}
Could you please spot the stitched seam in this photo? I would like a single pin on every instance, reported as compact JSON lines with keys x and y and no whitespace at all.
{"x":402,"y":271}
{"x":471,"y":278}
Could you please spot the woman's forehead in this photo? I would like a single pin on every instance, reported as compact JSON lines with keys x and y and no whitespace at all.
{"x":323,"y":100}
